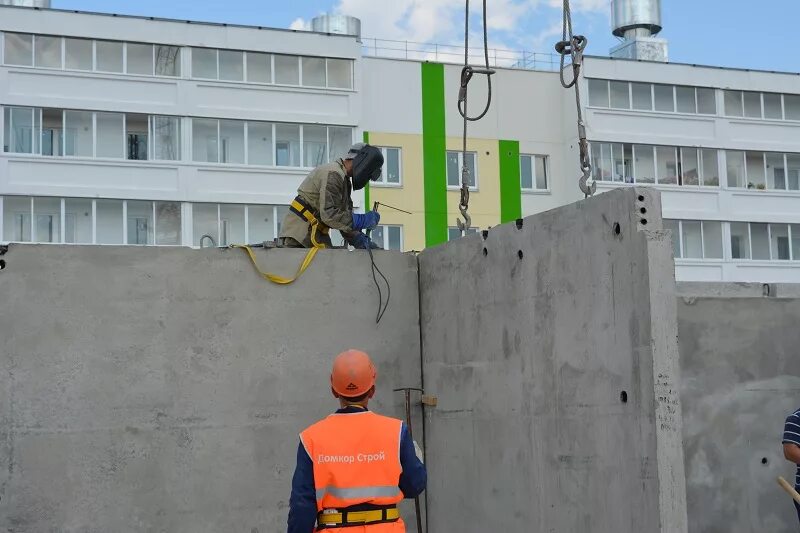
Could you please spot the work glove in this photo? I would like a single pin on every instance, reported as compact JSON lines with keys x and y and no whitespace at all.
{"x":368,"y":220}
{"x":362,"y":242}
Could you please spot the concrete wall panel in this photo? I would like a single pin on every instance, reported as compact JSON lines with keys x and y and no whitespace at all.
{"x":538,"y":332}
{"x":162,"y":389}
{"x":741,"y":378}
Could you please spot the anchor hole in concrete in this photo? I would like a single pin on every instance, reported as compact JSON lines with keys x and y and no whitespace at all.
{"x":485,"y":234}
{"x":617,"y":228}
{"x":485,"y":252}
{"x":2,"y":264}
{"x":623,"y":396}
{"x":519,"y":223}
{"x":641,"y":198}
{"x":644,"y":222}
{"x":764,"y":461}
{"x":643,"y":210}
{"x":520,"y":254}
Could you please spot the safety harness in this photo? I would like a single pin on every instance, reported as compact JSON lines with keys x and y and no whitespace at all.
{"x":357,"y":515}
{"x":300,"y":208}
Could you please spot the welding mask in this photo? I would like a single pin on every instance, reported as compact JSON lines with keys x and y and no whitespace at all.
{"x":367,"y":163}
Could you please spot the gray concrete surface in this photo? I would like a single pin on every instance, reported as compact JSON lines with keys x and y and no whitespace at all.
{"x":533,"y":335}
{"x":158,"y":389}
{"x":740,"y":362}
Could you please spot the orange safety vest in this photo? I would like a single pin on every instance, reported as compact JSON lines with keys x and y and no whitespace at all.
{"x":356,"y":459}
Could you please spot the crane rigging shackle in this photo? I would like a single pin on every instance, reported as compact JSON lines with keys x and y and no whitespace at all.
{"x":466,"y":75}
{"x":573,"y":46}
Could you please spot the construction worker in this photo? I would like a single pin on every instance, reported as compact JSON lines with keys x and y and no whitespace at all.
{"x":323,"y":202}
{"x":354,"y":466}
{"x":791,"y":448}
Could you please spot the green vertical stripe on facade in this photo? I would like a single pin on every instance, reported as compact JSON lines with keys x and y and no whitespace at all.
{"x":510,"y":187}
{"x":434,"y":155}
{"x":367,"y":205}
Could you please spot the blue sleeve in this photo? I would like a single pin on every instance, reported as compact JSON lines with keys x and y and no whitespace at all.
{"x":303,"y":501}
{"x":414,"y":476}
{"x":791,"y":430}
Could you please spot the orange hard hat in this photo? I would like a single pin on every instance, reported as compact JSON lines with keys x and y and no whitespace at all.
{"x":353,"y":374}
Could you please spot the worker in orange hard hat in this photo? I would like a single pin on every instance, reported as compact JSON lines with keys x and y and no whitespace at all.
{"x":354,"y":466}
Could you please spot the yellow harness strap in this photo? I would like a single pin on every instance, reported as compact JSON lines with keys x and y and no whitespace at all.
{"x":274,"y":278}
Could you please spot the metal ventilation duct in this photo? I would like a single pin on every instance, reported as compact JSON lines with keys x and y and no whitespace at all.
{"x":340,"y":24}
{"x":636,"y":18}
{"x":26,"y":3}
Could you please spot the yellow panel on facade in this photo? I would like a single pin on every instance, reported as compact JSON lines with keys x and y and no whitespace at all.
{"x":484,"y":203}
{"x":409,"y":194}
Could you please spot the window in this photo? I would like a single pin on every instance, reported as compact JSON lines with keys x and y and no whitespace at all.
{"x":690,"y":171}
{"x":754,"y":170}
{"x":773,"y":106}
{"x":165,"y":135}
{"x":455,"y":162}
{"x":168,"y":60}
{"x":287,"y":70}
{"x":259,"y":67}
{"x":388,"y":237}
{"x":140,"y":59}
{"x":533,"y":172}
{"x":685,"y":100}
{"x":259,"y":143}
{"x":260,"y":223}
{"x":204,"y":63}
{"x":231,"y":65}
{"x":314,"y":145}
{"x":780,"y":248}
{"x":47,"y":51}
{"x":759,"y":240}
{"x":231,"y":135}
{"x":205,"y":225}
{"x":47,"y":220}
{"x":620,"y":96}
{"x":313,"y":71}
{"x":110,"y":135}
{"x":140,"y":222}
{"x":18,"y":49}
{"x":642,"y":96}
{"x":644,"y":162}
{"x":20,"y":130}
{"x":110,"y":221}
{"x":735,"y":166}
{"x":52,"y":132}
{"x":168,"y":223}
{"x":752,"y":104}
{"x":793,"y":168}
{"x":109,"y":56}
{"x":795,"y":230}
{"x":666,"y":156}
{"x":390,"y":173}
{"x":733,"y":104}
{"x":231,"y":224}
{"x":340,"y":73}
{"x":706,"y":101}
{"x":598,"y":93}
{"x":287,"y":145}
{"x":17,"y":218}
{"x":78,"y":133}
{"x":79,"y":54}
{"x":612,"y":162}
{"x":137,"y":137}
{"x":455,"y":233}
{"x":78,"y":221}
{"x":791,"y":106}
{"x":205,"y":145}
{"x":710,"y":167}
{"x":664,"y":98}
{"x":339,"y":141}
{"x":695,"y":239}
{"x":776,"y":171}
{"x":740,"y":240}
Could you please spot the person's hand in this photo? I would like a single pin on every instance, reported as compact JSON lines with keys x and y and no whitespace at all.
{"x":362,"y":242}
{"x":368,"y":220}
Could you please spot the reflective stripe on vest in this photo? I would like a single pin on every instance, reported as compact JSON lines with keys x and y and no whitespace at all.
{"x":356,"y":459}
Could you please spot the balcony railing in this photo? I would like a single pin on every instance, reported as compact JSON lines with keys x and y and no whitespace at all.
{"x":447,"y":53}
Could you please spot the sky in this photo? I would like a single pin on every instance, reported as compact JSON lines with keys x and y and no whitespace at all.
{"x":729,"y":33}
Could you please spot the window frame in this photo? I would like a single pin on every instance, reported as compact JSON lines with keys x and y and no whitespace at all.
{"x":383,"y":181}
{"x":385,"y":228}
{"x":534,"y":189}
{"x":472,"y":188}
{"x":470,"y":231}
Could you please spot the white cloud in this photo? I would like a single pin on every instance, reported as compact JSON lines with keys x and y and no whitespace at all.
{"x":584,"y":5}
{"x":299,"y":24}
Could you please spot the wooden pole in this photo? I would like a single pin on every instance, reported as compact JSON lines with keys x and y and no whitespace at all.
{"x":788,"y":488}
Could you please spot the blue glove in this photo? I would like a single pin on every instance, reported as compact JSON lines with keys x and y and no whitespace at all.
{"x":362,"y":242}
{"x":368,"y":220}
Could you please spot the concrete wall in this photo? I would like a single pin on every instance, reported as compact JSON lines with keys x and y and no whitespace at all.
{"x":146,"y":389}
{"x":538,"y":331}
{"x":741,"y":378}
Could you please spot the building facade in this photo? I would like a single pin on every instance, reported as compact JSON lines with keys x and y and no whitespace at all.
{"x":125,"y":130}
